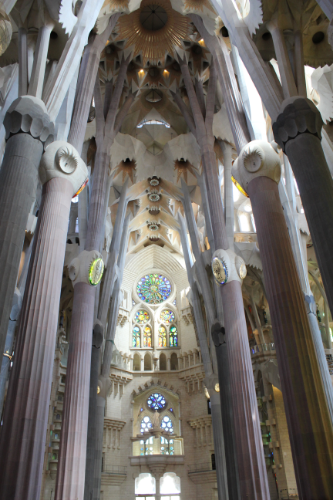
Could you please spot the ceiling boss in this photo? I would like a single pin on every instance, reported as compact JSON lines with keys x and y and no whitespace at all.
{"x":154,"y":29}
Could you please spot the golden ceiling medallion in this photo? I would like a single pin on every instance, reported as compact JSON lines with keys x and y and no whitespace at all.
{"x":153,"y":30}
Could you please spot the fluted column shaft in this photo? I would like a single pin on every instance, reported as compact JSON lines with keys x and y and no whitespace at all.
{"x":298,"y":131}
{"x":72,"y":454}
{"x":93,"y":430}
{"x":23,"y":437}
{"x":100,"y":409}
{"x":250,"y":457}
{"x":18,"y":181}
{"x":228,"y":421}
{"x":309,"y":424}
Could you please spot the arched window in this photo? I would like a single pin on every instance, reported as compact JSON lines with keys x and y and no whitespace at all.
{"x":146,"y":424}
{"x":163,"y":362}
{"x":174,"y":361}
{"x":142,"y":331}
{"x":136,"y":363}
{"x":162,"y":336}
{"x":173,"y":336}
{"x":136,"y":336}
{"x":147,"y":362}
{"x":166,"y":425}
{"x":147,"y":336}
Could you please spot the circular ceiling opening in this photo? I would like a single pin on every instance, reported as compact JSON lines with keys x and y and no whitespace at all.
{"x":153,"y":17}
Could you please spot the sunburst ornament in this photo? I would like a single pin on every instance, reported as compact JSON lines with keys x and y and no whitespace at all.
{"x":126,"y":167}
{"x":153,"y":30}
{"x":197,"y":5}
{"x":182,"y":167}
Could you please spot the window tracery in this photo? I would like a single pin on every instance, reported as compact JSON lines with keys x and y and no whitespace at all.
{"x":142,"y":330}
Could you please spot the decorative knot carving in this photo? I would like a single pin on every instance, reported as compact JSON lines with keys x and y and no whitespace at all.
{"x":299,"y":116}
{"x":29,"y":115}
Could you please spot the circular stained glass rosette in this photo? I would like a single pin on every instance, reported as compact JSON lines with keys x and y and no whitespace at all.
{"x":153,"y":288}
{"x":167,"y":316}
{"x":156,"y":402}
{"x":141,"y":317}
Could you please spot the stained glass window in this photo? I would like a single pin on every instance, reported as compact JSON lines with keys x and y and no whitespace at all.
{"x":156,"y":401}
{"x":173,"y":336}
{"x":141,"y":317}
{"x":153,"y":288}
{"x":147,"y":337}
{"x":167,"y":447}
{"x":145,"y":424}
{"x":136,"y":336}
{"x":166,"y":425}
{"x":167,"y":316}
{"x":162,"y":336}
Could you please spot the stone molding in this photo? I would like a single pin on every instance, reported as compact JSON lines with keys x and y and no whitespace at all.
{"x":299,"y":116}
{"x":29,"y":115}
{"x":61,"y":159}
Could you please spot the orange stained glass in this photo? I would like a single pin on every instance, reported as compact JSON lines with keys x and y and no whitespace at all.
{"x":147,"y":337}
{"x":162,"y":336}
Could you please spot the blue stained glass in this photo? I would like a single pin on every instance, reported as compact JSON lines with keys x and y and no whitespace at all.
{"x":153,"y":288}
{"x":156,"y":402}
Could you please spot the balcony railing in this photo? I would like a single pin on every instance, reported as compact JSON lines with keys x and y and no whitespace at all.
{"x":115,"y":469}
{"x":262,"y":348}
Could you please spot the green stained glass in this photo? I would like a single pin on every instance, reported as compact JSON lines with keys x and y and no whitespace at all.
{"x":167,"y":316}
{"x":173,"y":337}
{"x":141,"y":317}
{"x":153,"y":288}
{"x":136,"y":336}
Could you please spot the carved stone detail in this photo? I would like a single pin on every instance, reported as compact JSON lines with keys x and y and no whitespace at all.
{"x":29,"y":114}
{"x":299,"y":116}
{"x":63,"y":160}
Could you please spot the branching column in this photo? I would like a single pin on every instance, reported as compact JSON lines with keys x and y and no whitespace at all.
{"x":310,"y":429}
{"x":253,"y":480}
{"x":25,"y":420}
{"x":72,"y":455}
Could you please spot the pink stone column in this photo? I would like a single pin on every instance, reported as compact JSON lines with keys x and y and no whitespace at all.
{"x":248,"y":441}
{"x":72,"y":454}
{"x":22,"y":445}
{"x":309,"y":424}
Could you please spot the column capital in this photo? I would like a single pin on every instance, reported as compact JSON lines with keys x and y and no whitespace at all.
{"x":28,"y":114}
{"x":256,"y":159}
{"x":298,"y":116}
{"x":87,"y":268}
{"x":227,"y":267}
{"x":62,"y":160}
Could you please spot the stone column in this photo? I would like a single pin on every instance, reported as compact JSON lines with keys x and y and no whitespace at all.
{"x":298,"y":131}
{"x":310,"y":428}
{"x":22,"y":446}
{"x":93,"y":430}
{"x":28,"y":128}
{"x":100,"y":410}
{"x":72,"y":454}
{"x":228,"y":193}
{"x":218,"y":335}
